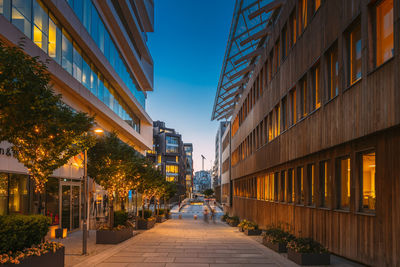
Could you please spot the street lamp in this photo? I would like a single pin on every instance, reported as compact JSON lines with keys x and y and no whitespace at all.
{"x":86,"y":198}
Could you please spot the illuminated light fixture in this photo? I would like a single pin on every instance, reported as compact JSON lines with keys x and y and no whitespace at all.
{"x":372,"y":166}
{"x":98,"y":130}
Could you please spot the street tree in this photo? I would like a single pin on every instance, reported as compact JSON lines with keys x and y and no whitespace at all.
{"x":208,"y":192}
{"x":44,"y":133}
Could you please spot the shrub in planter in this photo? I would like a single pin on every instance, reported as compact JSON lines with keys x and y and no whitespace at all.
{"x":224,"y":217}
{"x":120,"y":218}
{"x":18,"y":232}
{"x":42,"y":255}
{"x":233,"y":221}
{"x":306,"y":251}
{"x":242,"y":224}
{"x":251,"y":228}
{"x":147,"y":213}
{"x":277,"y":239}
{"x":106,"y":235}
{"x":145,"y":224}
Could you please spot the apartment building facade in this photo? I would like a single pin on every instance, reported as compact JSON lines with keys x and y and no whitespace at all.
{"x":315,"y":133}
{"x":99,"y":62}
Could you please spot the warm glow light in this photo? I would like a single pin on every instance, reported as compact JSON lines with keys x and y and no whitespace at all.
{"x":98,"y":130}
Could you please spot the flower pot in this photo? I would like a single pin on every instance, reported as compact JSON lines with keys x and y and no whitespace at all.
{"x":252,"y":232}
{"x":277,"y":247}
{"x":145,"y":224}
{"x":113,"y":236}
{"x":49,"y":259}
{"x":309,"y":258}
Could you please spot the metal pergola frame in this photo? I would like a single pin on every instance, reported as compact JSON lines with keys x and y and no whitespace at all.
{"x":249,"y":30}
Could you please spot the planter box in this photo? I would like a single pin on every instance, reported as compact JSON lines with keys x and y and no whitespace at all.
{"x":160,"y":219}
{"x":252,"y":232}
{"x":49,"y":259}
{"x":240,"y":229}
{"x":309,"y":258}
{"x":277,"y":247}
{"x":233,"y":224}
{"x":113,"y":236}
{"x":145,"y":224}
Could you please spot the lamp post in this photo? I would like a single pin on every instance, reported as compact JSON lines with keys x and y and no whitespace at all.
{"x":85,"y":226}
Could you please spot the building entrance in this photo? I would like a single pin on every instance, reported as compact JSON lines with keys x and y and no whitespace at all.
{"x":70,"y":203}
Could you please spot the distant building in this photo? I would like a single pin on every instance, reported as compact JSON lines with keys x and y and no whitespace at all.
{"x":188,"y":149}
{"x":202,"y":180}
{"x":217,"y":168}
{"x":169,"y":155}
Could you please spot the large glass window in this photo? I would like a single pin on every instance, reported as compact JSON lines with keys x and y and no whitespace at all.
{"x":302,"y":8}
{"x":276,"y":186}
{"x":384,"y":31}
{"x":172,"y":169}
{"x":52,"y":200}
{"x":316,"y":97}
{"x":367,"y":181}
{"x":323,"y":184}
{"x":333,"y":72}
{"x":77,"y":63}
{"x":300,"y":185}
{"x":66,"y":52}
{"x":19,"y":195}
{"x":3,"y":193}
{"x":54,"y":49}
{"x":41,"y":25}
{"x":343,"y":183}
{"x":355,"y":54}
{"x":311,"y":184}
{"x":22,"y":16}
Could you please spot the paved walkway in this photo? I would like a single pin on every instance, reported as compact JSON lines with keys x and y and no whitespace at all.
{"x":192,"y":243}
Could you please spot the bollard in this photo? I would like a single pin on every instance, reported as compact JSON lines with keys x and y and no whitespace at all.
{"x":180,"y":216}
{"x":195,"y":217}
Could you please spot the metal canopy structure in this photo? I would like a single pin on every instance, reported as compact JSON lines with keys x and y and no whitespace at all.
{"x":246,"y":39}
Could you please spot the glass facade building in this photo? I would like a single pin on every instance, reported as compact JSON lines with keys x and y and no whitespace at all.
{"x":38,"y":24}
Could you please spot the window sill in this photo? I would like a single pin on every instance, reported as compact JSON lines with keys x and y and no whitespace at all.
{"x":331,"y":100}
{"x":366,"y":213}
{"x":380,"y":66}
{"x":352,"y":85}
{"x":324,"y":208}
{"x":342,"y":211}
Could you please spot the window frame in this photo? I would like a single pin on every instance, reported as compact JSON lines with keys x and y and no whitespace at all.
{"x":360,"y":191}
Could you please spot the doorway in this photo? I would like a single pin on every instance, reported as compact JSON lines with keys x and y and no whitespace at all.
{"x":70,"y":203}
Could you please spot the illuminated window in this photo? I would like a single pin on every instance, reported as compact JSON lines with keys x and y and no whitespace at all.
{"x":290,"y":187}
{"x":282,"y":187}
{"x":300,"y":184}
{"x":54,"y":48}
{"x":302,"y":18}
{"x":384,"y":31}
{"x":343,"y":183}
{"x":293,"y":106}
{"x":293,"y":28}
{"x":172,"y":178}
{"x":355,"y":54}
{"x":303,"y":97}
{"x":323,"y":184}
{"x":270,"y":127}
{"x":333,"y":72}
{"x":367,"y":181}
{"x":172,"y":169}
{"x":311,"y":184}
{"x":316,"y":101}
{"x":22,"y":16}
{"x":40,"y":25}
{"x":316,"y":5}
{"x":3,"y":192}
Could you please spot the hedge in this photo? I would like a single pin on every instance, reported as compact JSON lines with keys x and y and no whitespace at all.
{"x":22,"y":231}
{"x":147,"y":214}
{"x":120,"y":217}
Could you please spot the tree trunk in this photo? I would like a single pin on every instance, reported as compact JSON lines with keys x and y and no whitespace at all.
{"x":111,"y":213}
{"x":142,"y":207}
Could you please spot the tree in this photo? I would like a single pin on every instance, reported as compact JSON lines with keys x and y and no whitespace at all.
{"x":43,"y":131}
{"x":208,"y":192}
{"x":115,"y":166}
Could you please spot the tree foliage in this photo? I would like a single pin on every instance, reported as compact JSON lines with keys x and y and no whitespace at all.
{"x":208,"y":192}
{"x":44,"y":132}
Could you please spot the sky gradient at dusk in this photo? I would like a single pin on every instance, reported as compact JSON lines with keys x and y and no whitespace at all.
{"x":188,"y":48}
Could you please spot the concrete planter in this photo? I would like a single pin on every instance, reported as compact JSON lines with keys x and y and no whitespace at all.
{"x":309,"y":258}
{"x":277,"y":247}
{"x":252,"y":232}
{"x":145,"y":224}
{"x":160,"y":219}
{"x":49,"y":259}
{"x":113,"y":236}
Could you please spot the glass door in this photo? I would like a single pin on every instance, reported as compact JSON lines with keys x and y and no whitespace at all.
{"x":70,"y":203}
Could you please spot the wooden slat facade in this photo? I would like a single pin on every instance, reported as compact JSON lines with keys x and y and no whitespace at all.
{"x":363,"y":116}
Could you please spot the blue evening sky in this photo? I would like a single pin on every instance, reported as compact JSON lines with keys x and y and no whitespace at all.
{"x":188,"y":47}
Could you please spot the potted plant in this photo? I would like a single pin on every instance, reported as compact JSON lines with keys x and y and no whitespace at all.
{"x":21,"y":242}
{"x":114,"y":235}
{"x":306,"y":251}
{"x":251,"y":228}
{"x":277,"y":239}
{"x":145,"y":220}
